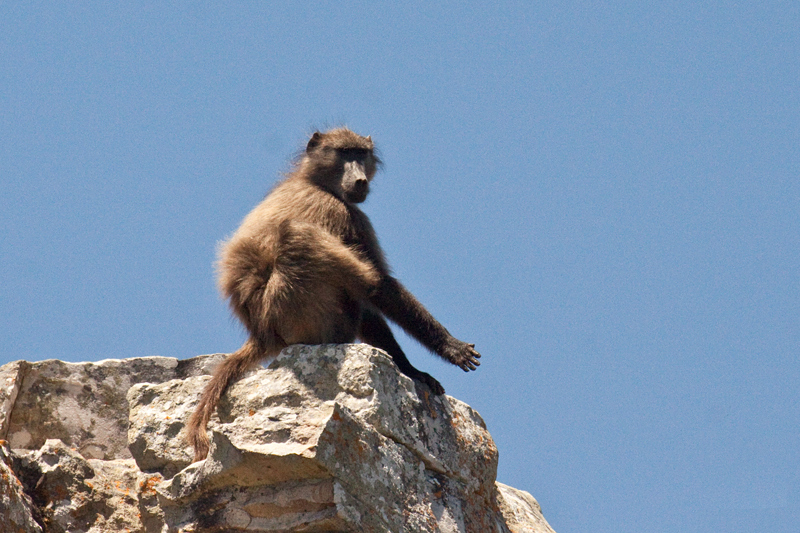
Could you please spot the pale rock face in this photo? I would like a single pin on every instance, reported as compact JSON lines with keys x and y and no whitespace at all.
{"x":76,"y":494}
{"x":521,"y":511}
{"x":327,"y":438}
{"x":82,"y":404}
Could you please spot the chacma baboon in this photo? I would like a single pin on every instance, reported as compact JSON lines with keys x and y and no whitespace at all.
{"x":305,"y":267}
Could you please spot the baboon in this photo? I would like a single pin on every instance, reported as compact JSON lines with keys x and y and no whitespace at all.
{"x":305,"y":267}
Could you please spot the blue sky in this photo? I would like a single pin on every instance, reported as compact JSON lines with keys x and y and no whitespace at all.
{"x":603,"y":196}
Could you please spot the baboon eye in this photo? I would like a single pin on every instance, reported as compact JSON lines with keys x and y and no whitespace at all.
{"x":353,"y":153}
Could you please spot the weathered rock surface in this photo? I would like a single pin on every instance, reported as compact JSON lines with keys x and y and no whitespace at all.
{"x":72,"y":493}
{"x":328,"y":438}
{"x":520,"y":510}
{"x":16,"y":507}
{"x":82,"y":404}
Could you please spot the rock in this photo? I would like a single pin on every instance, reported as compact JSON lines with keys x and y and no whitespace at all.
{"x":327,"y":438}
{"x":10,"y":380}
{"x":16,"y":508}
{"x":521,"y":511}
{"x":76,"y":494}
{"x":157,"y":416}
{"x":82,"y":404}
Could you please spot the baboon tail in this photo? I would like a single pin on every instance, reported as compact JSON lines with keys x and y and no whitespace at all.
{"x":228,"y":371}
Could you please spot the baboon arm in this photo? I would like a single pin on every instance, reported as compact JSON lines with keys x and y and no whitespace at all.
{"x":400,"y":306}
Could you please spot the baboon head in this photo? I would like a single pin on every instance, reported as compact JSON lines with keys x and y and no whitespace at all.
{"x":342,"y":162}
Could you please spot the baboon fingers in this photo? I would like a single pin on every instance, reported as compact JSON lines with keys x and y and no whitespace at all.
{"x":471,"y":362}
{"x":469,"y":365}
{"x":461,"y":354}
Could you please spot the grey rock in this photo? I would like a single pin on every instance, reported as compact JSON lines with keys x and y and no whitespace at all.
{"x":327,"y":438}
{"x":76,"y":494}
{"x":521,"y":511}
{"x":82,"y":404}
{"x":157,"y":415}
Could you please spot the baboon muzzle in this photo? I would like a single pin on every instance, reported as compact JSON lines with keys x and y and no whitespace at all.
{"x":355,"y":182}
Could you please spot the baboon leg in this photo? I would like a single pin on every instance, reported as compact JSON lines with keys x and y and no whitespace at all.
{"x":309,"y":252}
{"x":375,"y":331}
{"x":226,"y":372}
{"x":246,"y":272}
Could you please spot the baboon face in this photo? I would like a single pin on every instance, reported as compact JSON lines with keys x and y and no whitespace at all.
{"x":344,"y":163}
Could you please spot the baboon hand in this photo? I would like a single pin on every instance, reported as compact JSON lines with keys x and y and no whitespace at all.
{"x":462,"y":354}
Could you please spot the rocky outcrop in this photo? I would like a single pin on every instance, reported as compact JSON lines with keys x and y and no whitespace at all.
{"x":327,"y":438}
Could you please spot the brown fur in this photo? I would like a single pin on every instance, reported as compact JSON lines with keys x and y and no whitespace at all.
{"x":305,"y":267}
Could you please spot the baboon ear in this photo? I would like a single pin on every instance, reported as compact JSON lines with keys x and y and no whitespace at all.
{"x":314,"y":141}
